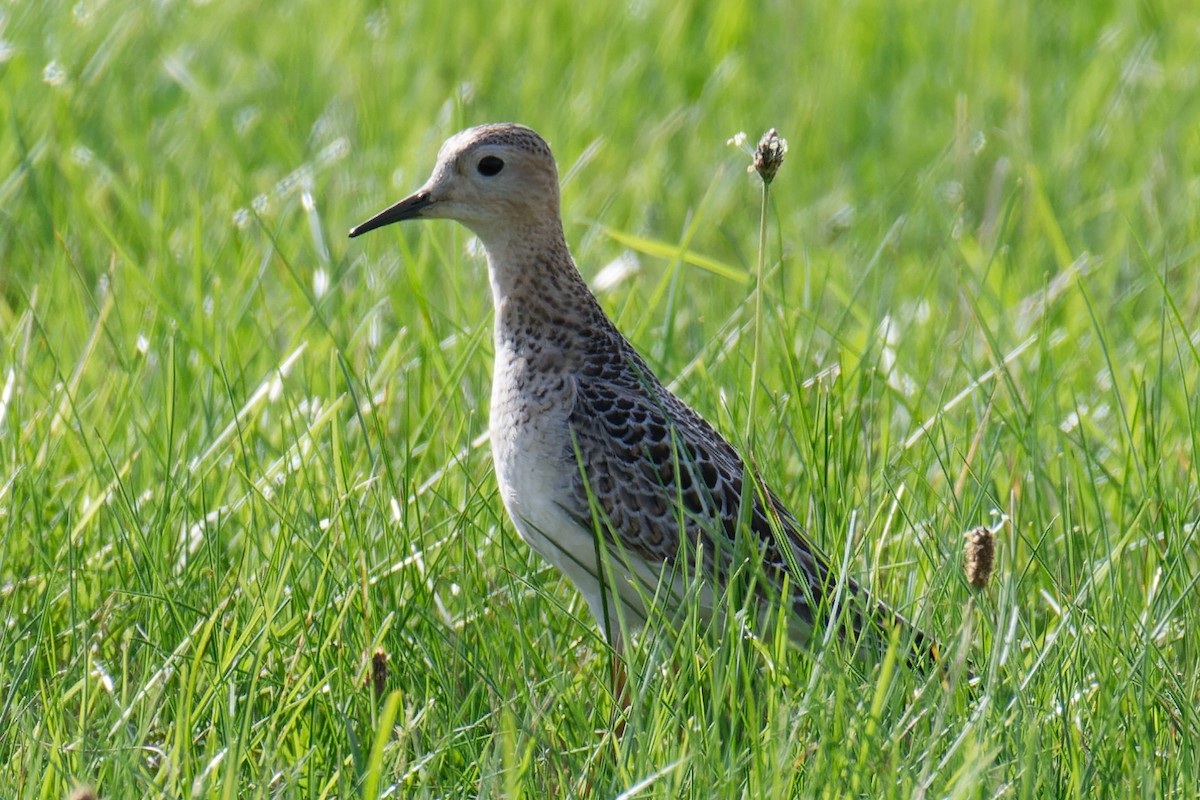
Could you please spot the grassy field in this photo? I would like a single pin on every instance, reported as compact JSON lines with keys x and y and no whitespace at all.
{"x":240,"y":454}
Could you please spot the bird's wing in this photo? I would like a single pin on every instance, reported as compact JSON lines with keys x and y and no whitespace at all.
{"x":662,"y":482}
{"x":651,"y":469}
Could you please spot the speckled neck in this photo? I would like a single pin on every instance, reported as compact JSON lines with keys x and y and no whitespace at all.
{"x":536,"y":287}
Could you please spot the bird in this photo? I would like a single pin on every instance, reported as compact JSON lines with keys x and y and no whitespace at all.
{"x":603,"y":471}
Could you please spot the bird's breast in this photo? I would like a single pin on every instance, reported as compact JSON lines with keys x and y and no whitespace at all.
{"x":531,"y":403}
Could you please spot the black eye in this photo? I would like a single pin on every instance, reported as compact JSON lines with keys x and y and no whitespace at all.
{"x":489,"y":166}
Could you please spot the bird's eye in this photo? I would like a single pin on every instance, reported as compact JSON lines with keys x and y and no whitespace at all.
{"x":489,"y":166}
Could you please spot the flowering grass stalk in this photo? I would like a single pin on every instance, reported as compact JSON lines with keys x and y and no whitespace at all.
{"x":768,"y":157}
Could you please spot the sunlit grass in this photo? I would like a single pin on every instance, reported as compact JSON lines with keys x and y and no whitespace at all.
{"x":239,"y":453}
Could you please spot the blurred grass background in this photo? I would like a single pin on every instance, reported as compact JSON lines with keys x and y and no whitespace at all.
{"x":239,"y":453}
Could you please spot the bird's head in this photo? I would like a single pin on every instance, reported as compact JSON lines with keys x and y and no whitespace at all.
{"x":495,"y":179}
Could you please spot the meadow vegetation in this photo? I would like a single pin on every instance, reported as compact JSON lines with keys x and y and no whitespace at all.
{"x":241,"y":454}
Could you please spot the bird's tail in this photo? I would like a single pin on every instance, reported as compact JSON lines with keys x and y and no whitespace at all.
{"x":922,"y":652}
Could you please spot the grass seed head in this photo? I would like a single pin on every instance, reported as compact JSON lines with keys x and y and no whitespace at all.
{"x":979,"y":556}
{"x":768,"y":156}
{"x":379,"y":671}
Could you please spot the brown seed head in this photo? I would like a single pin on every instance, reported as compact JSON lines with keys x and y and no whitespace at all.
{"x":768,"y":156}
{"x":83,"y":793}
{"x":979,"y":556}
{"x":379,"y":671}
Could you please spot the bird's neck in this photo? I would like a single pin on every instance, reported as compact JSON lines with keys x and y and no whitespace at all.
{"x":535,"y":282}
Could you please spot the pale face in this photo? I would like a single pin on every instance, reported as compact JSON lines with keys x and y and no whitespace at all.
{"x":496,"y":180}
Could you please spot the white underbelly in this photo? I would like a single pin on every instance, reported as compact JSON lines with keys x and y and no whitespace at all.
{"x":536,"y":475}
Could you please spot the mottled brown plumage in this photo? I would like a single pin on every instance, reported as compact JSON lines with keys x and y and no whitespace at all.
{"x":603,"y":471}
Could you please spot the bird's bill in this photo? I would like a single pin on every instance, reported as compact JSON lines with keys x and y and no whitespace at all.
{"x":408,"y":208}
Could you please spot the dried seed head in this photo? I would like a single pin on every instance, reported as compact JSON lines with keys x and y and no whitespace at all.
{"x":979,"y":556}
{"x":379,"y":671}
{"x":83,"y":793}
{"x":768,"y":156}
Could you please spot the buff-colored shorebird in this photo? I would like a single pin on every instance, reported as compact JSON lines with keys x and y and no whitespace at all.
{"x":605,"y":473}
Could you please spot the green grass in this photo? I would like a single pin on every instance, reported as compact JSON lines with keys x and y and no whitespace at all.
{"x":239,"y":453}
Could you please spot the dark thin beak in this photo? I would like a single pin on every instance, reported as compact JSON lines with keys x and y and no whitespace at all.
{"x":408,"y":208}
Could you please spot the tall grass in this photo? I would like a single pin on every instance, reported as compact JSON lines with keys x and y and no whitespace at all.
{"x":239,"y":454}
